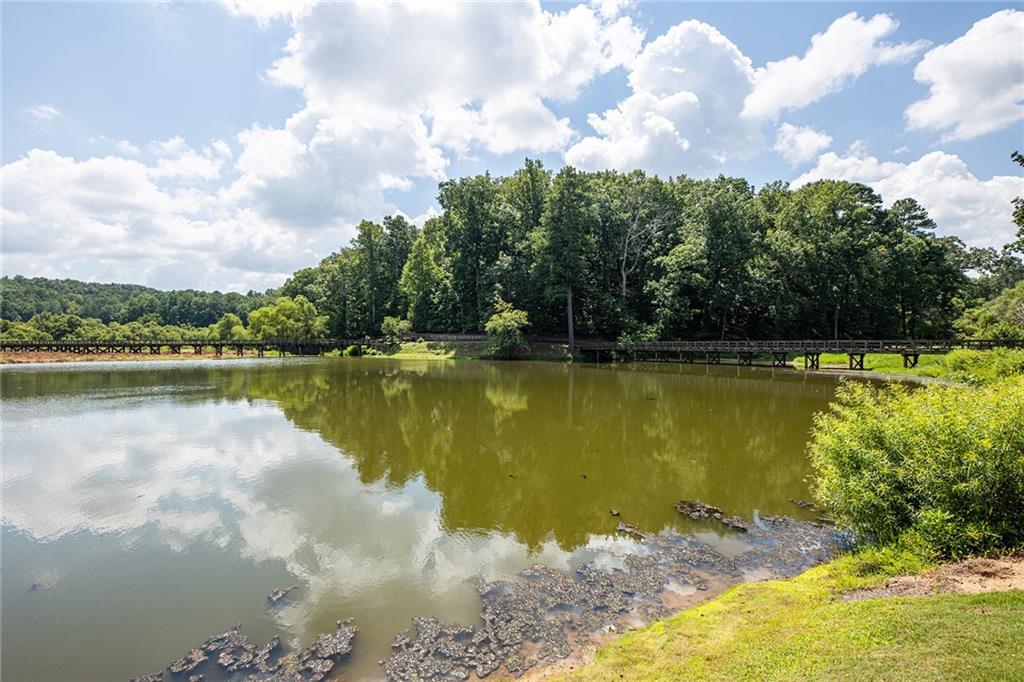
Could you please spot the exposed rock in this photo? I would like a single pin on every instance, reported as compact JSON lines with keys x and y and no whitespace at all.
{"x":543,"y":616}
{"x":188,"y":662}
{"x":235,"y":652}
{"x":804,"y":504}
{"x":280,"y":593}
{"x":630,"y":529}
{"x":700,"y":510}
{"x":336,"y":644}
{"x":696,"y":510}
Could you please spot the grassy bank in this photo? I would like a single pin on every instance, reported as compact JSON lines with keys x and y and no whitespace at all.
{"x":960,"y":365}
{"x":928,"y":366}
{"x":802,"y":629}
{"x":466,"y":350}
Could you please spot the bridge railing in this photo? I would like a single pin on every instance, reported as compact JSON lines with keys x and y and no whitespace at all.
{"x":744,"y":346}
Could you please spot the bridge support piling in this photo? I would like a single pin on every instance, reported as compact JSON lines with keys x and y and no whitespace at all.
{"x":856,"y":360}
{"x":910,"y":360}
{"x":812,"y":360}
{"x":745,"y":359}
{"x":779,"y":359}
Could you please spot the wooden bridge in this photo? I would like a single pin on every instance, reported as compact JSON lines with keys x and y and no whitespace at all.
{"x":194,"y":346}
{"x":779,"y":351}
{"x":745,"y":352}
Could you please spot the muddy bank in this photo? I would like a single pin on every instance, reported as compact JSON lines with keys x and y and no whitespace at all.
{"x":547,"y":616}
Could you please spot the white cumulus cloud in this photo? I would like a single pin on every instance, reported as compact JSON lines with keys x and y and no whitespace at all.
{"x":683,"y":115}
{"x":842,"y":53}
{"x":800,"y":144}
{"x":976,"y":82}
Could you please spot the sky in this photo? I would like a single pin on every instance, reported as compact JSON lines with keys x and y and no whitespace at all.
{"x":225,"y":145}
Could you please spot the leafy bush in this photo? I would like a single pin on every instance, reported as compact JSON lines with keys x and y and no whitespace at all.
{"x":395,"y":329}
{"x":938,"y":468}
{"x":979,"y":367}
{"x":505,"y":329}
{"x":1000,"y":318}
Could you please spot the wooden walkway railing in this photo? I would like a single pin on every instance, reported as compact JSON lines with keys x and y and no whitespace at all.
{"x":779,"y":351}
{"x":711,"y":352}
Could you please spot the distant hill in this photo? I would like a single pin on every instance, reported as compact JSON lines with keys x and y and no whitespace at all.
{"x":23,"y":297}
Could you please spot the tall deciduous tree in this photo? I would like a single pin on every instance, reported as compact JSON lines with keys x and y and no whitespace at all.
{"x":566,"y":240}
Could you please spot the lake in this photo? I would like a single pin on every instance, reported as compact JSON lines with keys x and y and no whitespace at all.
{"x":147,"y":506}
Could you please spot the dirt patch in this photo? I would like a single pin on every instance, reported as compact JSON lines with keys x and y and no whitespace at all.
{"x":971,"y":576}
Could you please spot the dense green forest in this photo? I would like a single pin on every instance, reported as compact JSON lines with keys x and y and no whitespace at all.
{"x":635,"y":256}
{"x":23,"y":297}
{"x":606,"y":254}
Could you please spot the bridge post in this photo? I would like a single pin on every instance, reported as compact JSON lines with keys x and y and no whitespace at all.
{"x":779,"y":359}
{"x":812,"y":360}
{"x":910,"y":360}
{"x":856,"y":360}
{"x":197,"y":348}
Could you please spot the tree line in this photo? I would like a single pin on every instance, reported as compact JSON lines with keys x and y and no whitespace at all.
{"x":23,"y":297}
{"x":622,"y":256}
{"x":632,"y":256}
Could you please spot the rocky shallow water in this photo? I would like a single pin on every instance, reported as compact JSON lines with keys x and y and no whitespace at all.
{"x":546,"y":615}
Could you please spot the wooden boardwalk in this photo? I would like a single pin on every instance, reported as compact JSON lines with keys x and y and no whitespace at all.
{"x":193,"y":346}
{"x":779,"y":351}
{"x":745,"y":352}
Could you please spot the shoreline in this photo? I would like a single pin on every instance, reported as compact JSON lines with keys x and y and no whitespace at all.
{"x":449,"y":352}
{"x":545,"y":617}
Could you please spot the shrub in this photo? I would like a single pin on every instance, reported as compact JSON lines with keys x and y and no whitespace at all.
{"x":979,"y":367}
{"x":505,"y":329}
{"x":938,"y":468}
{"x":395,"y":329}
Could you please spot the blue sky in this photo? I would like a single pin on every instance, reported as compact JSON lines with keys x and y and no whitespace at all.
{"x":223,"y":145}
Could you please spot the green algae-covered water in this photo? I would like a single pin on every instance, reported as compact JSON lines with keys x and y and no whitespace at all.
{"x":147,"y":506}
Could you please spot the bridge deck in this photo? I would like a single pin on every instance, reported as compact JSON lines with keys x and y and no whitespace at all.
{"x":731,"y":347}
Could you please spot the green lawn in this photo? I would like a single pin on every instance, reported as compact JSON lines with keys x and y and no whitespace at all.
{"x":798,"y":630}
{"x":928,"y":365}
